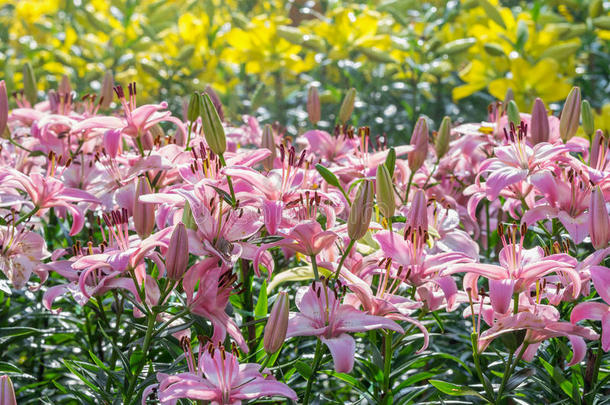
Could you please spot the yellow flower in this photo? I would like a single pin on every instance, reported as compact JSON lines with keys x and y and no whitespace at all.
{"x":528,"y":82}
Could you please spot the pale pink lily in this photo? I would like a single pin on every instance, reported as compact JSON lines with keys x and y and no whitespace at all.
{"x":307,"y":238}
{"x":407,"y":261}
{"x":217,"y":376}
{"x":48,"y":191}
{"x":597,"y":311}
{"x":211,"y":298}
{"x":519,"y":268}
{"x":566,"y":197}
{"x":516,"y":161}
{"x":21,"y":253}
{"x":322,"y":314}
{"x":137,"y":120}
{"x":222,"y":231}
{"x":541,"y":322}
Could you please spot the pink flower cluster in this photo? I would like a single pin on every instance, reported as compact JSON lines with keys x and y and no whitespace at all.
{"x":262,"y":201}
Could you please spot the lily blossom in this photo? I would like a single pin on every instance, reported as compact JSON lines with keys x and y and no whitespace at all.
{"x":215,"y":375}
{"x":597,"y":311}
{"x":322,"y":314}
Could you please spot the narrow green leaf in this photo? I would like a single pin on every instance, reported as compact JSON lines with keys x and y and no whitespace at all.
{"x":328,"y":176}
{"x":453,"y":389}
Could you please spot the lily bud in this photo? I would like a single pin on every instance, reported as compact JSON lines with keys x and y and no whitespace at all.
{"x":194,"y":110}
{"x":588,"y":123}
{"x":7,"y":392}
{"x":599,"y":220}
{"x":385,"y":192}
{"x":64,"y":85}
{"x":347,"y":106}
{"x":361,"y":211}
{"x":442,"y":138}
{"x":177,"y":253}
{"x":268,"y":142}
{"x":30,"y":88}
{"x":216,"y":101}
{"x":106,"y":92}
{"x":143,"y":213}
{"x":419,"y":140}
{"x":3,"y":107}
{"x":597,"y":149}
{"x":570,"y":115}
{"x":187,"y":217}
{"x":277,"y":324}
{"x":540,"y":123}
{"x":513,"y":113}
{"x":418,"y":214}
{"x":313,"y":105}
{"x":212,"y":126}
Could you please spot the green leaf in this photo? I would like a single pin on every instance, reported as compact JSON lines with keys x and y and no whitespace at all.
{"x":303,"y":368}
{"x":390,"y":161}
{"x":261,"y":308}
{"x":300,"y":273}
{"x":453,"y":389}
{"x":517,"y":378}
{"x":492,"y":12}
{"x":328,"y":176}
{"x":136,"y":358}
{"x":557,"y":374}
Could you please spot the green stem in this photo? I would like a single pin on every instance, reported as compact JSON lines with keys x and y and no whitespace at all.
{"x":146,"y":345}
{"x":515,"y":303}
{"x":409,"y":186}
{"x":229,"y":181}
{"x":387,"y":357}
{"x":265,"y":362}
{"x":140,"y":147}
{"x":510,"y":369}
{"x":188,"y":137}
{"x":27,"y":216}
{"x":347,"y":250}
{"x":314,"y":369}
{"x":474,"y":339}
{"x":314,"y":265}
{"x":246,"y":279}
{"x":431,"y":173}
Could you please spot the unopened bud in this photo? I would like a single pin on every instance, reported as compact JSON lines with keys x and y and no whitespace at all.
{"x":419,"y":140}
{"x":30,"y":88}
{"x":361,"y":211}
{"x":7,"y":392}
{"x":539,"y":128}
{"x":570,"y":115}
{"x":597,"y":149}
{"x":268,"y":142}
{"x":177,"y":253}
{"x":418,"y":214}
{"x":385,"y":192}
{"x":143,"y":213}
{"x":313,"y":105}
{"x":347,"y":106}
{"x":442,"y":138}
{"x":3,"y":107}
{"x":212,"y":126}
{"x":588,"y":121}
{"x":512,"y":111}
{"x":216,"y":101}
{"x":599,"y":220}
{"x":187,"y":217}
{"x":277,"y":324}
{"x":194,"y":108}
{"x":602,"y":22}
{"x":106,"y":92}
{"x":64,"y":85}
{"x":596,"y":8}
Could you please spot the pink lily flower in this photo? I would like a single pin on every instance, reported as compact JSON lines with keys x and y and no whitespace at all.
{"x":519,"y":268}
{"x":48,"y":191}
{"x":409,"y":262}
{"x":211,"y":298}
{"x":218,"y":377}
{"x":597,"y":311}
{"x":516,"y":161}
{"x":566,"y":197}
{"x":21,"y":253}
{"x":137,"y":120}
{"x":541,"y":323}
{"x":322,"y":314}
